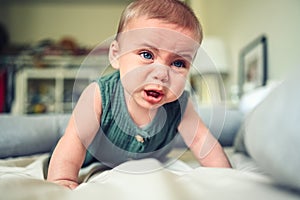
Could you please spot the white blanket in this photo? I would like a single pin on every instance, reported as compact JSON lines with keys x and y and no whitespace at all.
{"x":23,"y":178}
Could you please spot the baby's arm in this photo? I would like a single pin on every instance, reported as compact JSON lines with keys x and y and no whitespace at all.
{"x":202,"y":143}
{"x":70,"y":151}
{"x":67,"y":158}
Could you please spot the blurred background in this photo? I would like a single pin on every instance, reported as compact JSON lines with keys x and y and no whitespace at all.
{"x":43,"y":43}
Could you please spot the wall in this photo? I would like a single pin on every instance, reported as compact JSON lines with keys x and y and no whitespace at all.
{"x":238,"y":22}
{"x":89,"y":22}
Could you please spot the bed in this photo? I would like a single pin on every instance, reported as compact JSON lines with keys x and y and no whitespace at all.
{"x":23,"y":178}
{"x":262,"y":168}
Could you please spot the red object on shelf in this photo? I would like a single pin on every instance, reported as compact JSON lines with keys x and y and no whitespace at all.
{"x":2,"y":90}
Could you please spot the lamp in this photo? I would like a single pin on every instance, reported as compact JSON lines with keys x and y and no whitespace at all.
{"x":211,"y":57}
{"x":208,"y":67}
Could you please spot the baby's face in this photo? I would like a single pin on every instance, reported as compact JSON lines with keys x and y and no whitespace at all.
{"x":154,"y":59}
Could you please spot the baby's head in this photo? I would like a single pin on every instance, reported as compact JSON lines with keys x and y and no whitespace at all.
{"x":156,"y":43}
{"x":170,"y":11}
{"x":169,"y":21}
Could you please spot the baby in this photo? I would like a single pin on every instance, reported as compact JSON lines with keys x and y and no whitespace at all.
{"x":137,"y":111}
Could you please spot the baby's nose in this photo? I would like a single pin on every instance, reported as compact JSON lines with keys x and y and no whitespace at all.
{"x":160,"y":73}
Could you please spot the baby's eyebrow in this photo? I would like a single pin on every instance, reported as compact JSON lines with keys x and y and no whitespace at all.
{"x":187,"y":56}
{"x":148,"y":45}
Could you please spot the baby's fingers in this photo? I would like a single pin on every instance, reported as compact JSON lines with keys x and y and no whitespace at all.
{"x":67,"y":184}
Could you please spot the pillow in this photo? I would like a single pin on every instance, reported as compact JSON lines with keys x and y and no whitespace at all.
{"x":272,"y":134}
{"x":247,"y":104}
{"x":30,"y":134}
{"x":222,"y":122}
{"x":252,"y":98}
{"x":238,"y":143}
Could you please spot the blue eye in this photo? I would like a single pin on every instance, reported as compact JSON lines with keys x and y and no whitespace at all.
{"x":146,"y":55}
{"x":179,"y":64}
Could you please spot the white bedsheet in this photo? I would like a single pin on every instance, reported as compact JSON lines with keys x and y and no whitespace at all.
{"x":23,"y":178}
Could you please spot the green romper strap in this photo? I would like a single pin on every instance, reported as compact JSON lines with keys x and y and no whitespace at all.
{"x":119,"y":134}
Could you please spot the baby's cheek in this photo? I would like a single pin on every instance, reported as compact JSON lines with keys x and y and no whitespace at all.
{"x":179,"y":83}
{"x":176,"y":91}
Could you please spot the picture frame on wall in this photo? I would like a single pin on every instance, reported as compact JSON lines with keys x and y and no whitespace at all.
{"x":253,"y":65}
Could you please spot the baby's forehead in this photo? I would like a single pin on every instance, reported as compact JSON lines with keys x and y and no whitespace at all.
{"x":158,"y":38}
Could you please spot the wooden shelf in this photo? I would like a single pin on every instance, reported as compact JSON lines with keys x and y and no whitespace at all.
{"x":50,"y":90}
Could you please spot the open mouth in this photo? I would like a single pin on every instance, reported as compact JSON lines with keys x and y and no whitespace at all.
{"x":153,"y":93}
{"x":153,"y":96}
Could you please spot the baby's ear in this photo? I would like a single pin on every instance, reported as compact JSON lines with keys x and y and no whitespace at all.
{"x":113,"y":54}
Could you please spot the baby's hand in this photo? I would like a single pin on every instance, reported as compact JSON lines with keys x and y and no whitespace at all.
{"x":67,"y":183}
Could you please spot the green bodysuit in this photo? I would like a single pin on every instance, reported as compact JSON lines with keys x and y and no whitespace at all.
{"x":119,"y":139}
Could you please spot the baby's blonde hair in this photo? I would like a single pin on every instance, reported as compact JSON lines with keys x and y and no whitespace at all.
{"x":170,"y":11}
